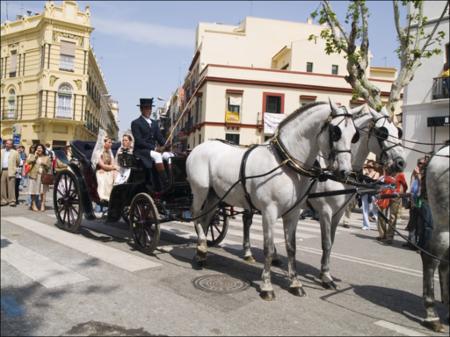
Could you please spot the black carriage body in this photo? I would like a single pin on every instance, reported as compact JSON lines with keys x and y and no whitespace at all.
{"x":173,"y":204}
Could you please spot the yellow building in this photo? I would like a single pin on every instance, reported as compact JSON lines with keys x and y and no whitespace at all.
{"x":52,"y":89}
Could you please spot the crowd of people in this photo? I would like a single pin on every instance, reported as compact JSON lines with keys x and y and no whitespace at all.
{"x":31,"y":173}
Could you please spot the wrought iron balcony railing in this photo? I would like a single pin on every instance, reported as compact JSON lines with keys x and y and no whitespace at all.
{"x":440,"y":87}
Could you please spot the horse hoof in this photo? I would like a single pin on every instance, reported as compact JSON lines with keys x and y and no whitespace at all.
{"x":249,"y":259}
{"x":268,"y":295}
{"x":198,"y":264}
{"x":329,"y":285}
{"x":434,"y":325}
{"x":300,"y":292}
{"x":277,"y":263}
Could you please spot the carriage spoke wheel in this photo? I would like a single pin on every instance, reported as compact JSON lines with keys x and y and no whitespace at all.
{"x":144,"y":224}
{"x":67,"y":202}
{"x":217,"y":228}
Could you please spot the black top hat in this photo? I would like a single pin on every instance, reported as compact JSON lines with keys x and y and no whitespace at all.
{"x":146,"y":102}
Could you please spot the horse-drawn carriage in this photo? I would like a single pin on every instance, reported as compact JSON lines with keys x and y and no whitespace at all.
{"x":140,"y":201}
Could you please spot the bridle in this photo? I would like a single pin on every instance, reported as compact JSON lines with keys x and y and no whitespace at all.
{"x":335,"y":134}
{"x":382,"y":134}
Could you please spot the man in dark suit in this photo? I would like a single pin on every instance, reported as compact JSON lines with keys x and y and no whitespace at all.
{"x":146,"y":133}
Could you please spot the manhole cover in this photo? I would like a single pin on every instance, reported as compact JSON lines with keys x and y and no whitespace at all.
{"x":221,"y":284}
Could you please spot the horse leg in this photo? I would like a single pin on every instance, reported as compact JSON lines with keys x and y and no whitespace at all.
{"x":290,"y":227}
{"x":200,"y":195}
{"x":432,"y":320}
{"x":326,"y":232}
{"x":247,"y":219}
{"x":269,"y":219}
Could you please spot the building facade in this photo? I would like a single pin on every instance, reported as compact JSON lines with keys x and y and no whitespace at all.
{"x":426,"y":98}
{"x":52,"y":89}
{"x":244,"y":79}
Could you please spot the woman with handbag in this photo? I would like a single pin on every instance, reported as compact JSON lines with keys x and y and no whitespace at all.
{"x":40,"y":166}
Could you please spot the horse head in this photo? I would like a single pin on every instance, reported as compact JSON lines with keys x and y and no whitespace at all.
{"x":385,"y":140}
{"x":335,"y":142}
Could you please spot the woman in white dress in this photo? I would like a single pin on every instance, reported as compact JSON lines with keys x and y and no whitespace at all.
{"x":103,"y":160}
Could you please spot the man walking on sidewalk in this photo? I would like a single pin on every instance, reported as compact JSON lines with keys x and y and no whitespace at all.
{"x":9,"y":161}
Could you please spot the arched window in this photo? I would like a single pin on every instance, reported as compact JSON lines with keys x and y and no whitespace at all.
{"x":64,"y":108}
{"x":11,"y":105}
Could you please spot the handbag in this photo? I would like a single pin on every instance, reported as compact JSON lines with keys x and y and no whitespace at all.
{"x":47,"y":179}
{"x":27,"y":169}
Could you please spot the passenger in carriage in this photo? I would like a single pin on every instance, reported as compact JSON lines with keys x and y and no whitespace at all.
{"x":105,"y":164}
{"x":125,"y":148}
{"x":146,"y":133}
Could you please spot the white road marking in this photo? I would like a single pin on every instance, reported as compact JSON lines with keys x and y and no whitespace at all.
{"x":100,"y":251}
{"x":398,"y":328}
{"x":279,"y":230}
{"x":372,"y":263}
{"x":38,"y":267}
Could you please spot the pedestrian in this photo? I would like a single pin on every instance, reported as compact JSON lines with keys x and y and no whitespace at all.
{"x":40,"y":164}
{"x":415,"y":203}
{"x":425,"y":220}
{"x":9,"y":161}
{"x":19,"y":171}
{"x":366,"y":199}
{"x":391,"y":206}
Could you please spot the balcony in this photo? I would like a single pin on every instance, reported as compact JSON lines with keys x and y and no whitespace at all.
{"x":440,"y":88}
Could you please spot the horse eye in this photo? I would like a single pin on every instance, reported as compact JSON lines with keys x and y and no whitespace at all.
{"x":400,"y":132}
{"x":355,"y":137}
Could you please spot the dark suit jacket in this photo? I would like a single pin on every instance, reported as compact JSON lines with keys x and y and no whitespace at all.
{"x":145,"y":138}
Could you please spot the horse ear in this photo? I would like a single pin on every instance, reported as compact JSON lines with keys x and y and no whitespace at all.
{"x":334,"y":107}
{"x":374,"y":113}
{"x":357,"y":110}
{"x":383,"y":111}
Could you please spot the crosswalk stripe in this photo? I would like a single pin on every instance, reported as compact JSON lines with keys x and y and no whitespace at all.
{"x":398,"y":328}
{"x":116,"y":257}
{"x":38,"y":267}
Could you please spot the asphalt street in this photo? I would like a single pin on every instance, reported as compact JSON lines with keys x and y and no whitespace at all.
{"x":96,"y":283}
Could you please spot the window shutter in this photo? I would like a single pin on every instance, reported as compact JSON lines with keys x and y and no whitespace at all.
{"x":67,"y":48}
{"x":13,"y":62}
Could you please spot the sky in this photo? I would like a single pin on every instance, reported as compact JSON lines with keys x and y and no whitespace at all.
{"x":145,"y":47}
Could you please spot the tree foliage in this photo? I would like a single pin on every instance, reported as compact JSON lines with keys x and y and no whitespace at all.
{"x":415,"y":44}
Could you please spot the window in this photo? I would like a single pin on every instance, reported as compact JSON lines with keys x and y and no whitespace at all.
{"x":11,"y":114}
{"x":64,"y":108}
{"x":198,"y":110}
{"x":334,"y":69}
{"x":13,"y":67}
{"x":232,"y":137}
{"x":234,"y":104}
{"x":67,"y":56}
{"x":309,"y":67}
{"x":273,"y":103}
{"x":199,"y":139}
{"x":42,"y":56}
{"x":307,"y":99}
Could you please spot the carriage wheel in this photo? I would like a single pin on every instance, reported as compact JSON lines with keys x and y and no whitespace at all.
{"x":217,"y":228}
{"x":144,"y":223}
{"x":67,"y":202}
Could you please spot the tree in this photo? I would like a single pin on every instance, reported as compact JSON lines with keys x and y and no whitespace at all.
{"x":414,"y":45}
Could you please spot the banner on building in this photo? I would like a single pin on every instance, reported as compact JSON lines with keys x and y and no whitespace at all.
{"x":271,"y":122}
{"x":232,"y":117}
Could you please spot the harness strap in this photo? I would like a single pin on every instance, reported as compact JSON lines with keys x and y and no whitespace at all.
{"x":292,"y":162}
{"x":242,"y":177}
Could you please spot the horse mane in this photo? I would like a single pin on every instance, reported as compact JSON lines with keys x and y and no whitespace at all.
{"x":298,"y":112}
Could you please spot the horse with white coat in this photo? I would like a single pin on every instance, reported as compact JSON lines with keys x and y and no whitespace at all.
{"x":378,"y":135}
{"x":213,"y":167}
{"x":437,"y":184}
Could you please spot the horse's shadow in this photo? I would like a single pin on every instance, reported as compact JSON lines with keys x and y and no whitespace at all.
{"x":250,"y":272}
{"x":405,"y":303}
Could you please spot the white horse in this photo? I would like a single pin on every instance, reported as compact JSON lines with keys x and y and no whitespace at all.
{"x":213,"y":167}
{"x":378,"y":135}
{"x":437,"y":183}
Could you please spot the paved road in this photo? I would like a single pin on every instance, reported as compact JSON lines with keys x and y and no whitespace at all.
{"x":57,"y":283}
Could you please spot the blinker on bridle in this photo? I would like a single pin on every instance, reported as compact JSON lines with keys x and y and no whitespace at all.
{"x":382,"y":134}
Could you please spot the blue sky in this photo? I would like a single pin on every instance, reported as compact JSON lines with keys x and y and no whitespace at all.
{"x":145,"y":47}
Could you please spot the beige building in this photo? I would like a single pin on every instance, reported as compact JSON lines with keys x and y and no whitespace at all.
{"x":243,"y":78}
{"x":52,"y":89}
